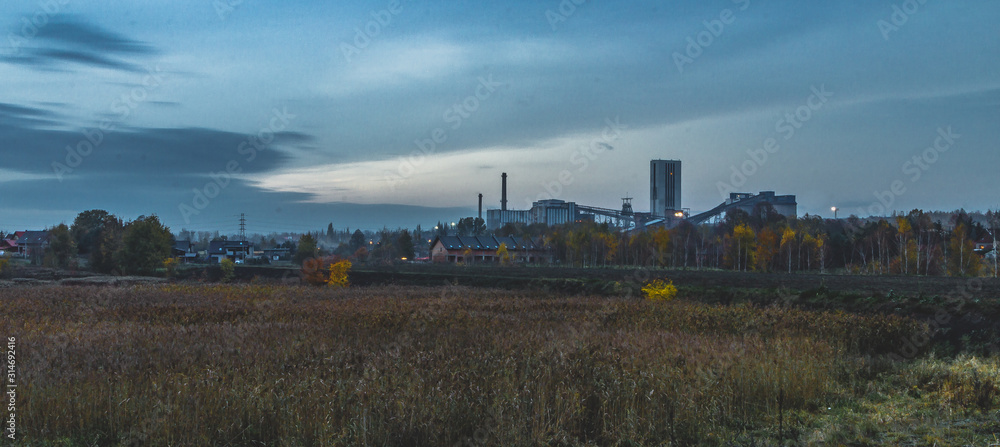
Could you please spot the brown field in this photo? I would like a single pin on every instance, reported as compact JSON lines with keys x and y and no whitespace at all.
{"x":287,"y":365}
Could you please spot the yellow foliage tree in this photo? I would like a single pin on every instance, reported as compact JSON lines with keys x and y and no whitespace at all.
{"x":504,"y":255}
{"x":788,"y":243}
{"x":744,"y":243}
{"x":660,"y":290}
{"x":338,"y":274}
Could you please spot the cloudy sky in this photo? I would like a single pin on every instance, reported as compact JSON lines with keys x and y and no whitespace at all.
{"x":372,"y":113}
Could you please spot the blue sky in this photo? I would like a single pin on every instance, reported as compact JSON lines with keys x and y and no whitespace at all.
{"x":314,"y":112}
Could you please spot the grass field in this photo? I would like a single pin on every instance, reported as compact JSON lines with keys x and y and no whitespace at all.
{"x":195,"y":364}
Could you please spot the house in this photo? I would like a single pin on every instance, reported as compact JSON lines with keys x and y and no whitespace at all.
{"x":185,"y":252}
{"x":32,"y":245}
{"x":8,"y":246}
{"x":277,"y":254}
{"x":469,"y":249}
{"x":985,"y":247}
{"x":236,"y":251}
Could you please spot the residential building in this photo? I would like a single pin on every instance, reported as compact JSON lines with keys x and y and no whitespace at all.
{"x":185,"y":252}
{"x":237,"y":251}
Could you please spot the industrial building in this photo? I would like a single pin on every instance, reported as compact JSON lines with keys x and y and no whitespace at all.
{"x":553,"y":212}
{"x":664,"y":188}
{"x":784,"y":205}
{"x":664,"y":202}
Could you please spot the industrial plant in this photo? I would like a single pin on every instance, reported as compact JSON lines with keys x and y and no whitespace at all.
{"x":665,"y":206}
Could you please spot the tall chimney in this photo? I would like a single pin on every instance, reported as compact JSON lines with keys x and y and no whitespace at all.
{"x":503,"y":199}
{"x":480,"y":207}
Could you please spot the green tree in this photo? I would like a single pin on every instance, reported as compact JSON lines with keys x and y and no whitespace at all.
{"x":62,"y":251}
{"x":357,"y":240}
{"x":86,"y":229}
{"x":307,"y":249}
{"x":405,"y":245}
{"x":145,"y":245}
{"x":106,"y":254}
{"x":228,"y":269}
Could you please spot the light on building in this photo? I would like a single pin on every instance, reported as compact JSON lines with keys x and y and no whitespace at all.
{"x":679,"y":214}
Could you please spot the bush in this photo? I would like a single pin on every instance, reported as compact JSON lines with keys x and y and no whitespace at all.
{"x":660,"y":291}
{"x":228,"y":270}
{"x":170,"y":265}
{"x":4,"y":262}
{"x":334,"y":274}
{"x":338,"y":274}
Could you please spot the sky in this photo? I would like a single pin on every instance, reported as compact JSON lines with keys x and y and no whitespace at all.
{"x":367,"y":114}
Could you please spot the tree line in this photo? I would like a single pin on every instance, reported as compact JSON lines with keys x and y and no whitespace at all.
{"x":111,"y":245}
{"x":766,"y":241}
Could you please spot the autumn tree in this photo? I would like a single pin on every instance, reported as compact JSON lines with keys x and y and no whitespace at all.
{"x":767,"y":249}
{"x":903,"y":232}
{"x":742,"y":247}
{"x":962,"y":258}
{"x":504,"y":255}
{"x":661,"y":244}
{"x":788,"y":244}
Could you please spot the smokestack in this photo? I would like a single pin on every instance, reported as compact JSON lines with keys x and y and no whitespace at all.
{"x":480,"y":207}
{"x":503,"y":199}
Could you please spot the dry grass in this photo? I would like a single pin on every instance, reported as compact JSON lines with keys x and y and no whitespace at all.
{"x":273,"y":365}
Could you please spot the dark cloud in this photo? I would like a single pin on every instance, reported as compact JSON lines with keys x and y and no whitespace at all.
{"x":70,"y":40}
{"x":142,"y":152}
{"x":14,"y":117}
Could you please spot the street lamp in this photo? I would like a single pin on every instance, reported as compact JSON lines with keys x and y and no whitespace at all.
{"x":835,"y":209}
